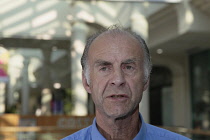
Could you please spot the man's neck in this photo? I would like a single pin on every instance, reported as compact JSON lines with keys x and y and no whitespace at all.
{"x":119,"y":129}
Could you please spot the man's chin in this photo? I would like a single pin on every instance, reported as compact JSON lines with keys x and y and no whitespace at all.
{"x":118,"y":116}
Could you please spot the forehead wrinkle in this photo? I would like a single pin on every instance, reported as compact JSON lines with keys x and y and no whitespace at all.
{"x":102,"y":40}
{"x":113,"y":40}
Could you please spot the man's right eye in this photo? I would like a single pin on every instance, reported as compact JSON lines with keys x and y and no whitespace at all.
{"x":103,"y":68}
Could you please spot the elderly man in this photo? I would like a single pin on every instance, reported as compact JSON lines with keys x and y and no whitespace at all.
{"x":116,"y":69}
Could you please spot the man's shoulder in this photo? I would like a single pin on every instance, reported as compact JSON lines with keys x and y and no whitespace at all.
{"x":163,"y":134}
{"x":83,"y":134}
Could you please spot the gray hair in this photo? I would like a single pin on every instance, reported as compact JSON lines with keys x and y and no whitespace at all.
{"x":116,"y":30}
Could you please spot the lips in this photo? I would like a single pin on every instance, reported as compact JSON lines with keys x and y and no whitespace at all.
{"x":118,"y":97}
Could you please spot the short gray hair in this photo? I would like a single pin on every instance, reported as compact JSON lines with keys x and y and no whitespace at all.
{"x":116,"y":30}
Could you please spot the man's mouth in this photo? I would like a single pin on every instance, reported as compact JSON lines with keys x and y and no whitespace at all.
{"x":118,"y":97}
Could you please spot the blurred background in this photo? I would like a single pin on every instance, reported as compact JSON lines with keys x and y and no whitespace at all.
{"x":41,"y":43}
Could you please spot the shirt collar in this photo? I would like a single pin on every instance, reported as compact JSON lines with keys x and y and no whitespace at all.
{"x":142,"y":131}
{"x":96,"y":135}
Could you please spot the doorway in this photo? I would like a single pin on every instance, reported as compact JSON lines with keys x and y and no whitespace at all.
{"x":160,"y":98}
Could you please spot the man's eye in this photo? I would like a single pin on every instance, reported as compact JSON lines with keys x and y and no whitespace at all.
{"x":129,"y":67}
{"x":103,"y":69}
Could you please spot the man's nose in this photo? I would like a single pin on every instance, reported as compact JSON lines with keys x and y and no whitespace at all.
{"x":118,"y":78}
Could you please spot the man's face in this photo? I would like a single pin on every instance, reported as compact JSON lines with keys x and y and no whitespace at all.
{"x":116,"y":74}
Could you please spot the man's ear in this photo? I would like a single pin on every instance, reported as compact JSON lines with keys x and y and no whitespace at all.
{"x":146,"y":84}
{"x":85,"y":83}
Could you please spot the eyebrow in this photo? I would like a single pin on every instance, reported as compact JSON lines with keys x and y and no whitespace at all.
{"x":129,"y":61}
{"x":102,"y":63}
{"x":105,"y":63}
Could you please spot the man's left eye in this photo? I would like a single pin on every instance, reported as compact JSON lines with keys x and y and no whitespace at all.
{"x":129,"y":67}
{"x":103,"y":68}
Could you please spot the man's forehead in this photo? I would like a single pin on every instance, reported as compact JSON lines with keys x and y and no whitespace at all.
{"x":126,"y":61}
{"x":114,"y":44}
{"x":103,"y":36}
{"x":108,"y":37}
{"x":114,"y":34}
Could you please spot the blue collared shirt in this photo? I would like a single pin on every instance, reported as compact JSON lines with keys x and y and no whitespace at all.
{"x":147,"y":132}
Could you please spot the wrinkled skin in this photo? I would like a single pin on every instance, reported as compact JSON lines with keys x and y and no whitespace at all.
{"x":116,"y":75}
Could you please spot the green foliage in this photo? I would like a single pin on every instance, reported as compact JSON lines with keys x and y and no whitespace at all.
{"x":11,"y":109}
{"x":68,"y":102}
